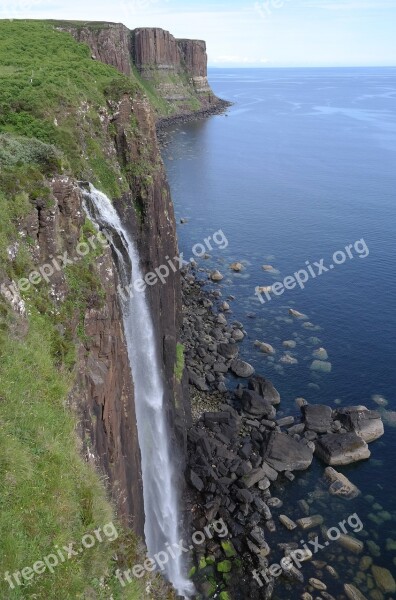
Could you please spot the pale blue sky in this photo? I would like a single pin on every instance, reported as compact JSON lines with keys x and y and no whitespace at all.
{"x":250,"y":33}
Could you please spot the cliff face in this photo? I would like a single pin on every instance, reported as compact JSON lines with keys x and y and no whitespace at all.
{"x":173,"y":72}
{"x":177,"y":69}
{"x":102,"y":129}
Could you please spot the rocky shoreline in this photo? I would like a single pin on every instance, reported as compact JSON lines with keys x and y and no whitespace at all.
{"x":217,"y":108}
{"x":242,"y":456}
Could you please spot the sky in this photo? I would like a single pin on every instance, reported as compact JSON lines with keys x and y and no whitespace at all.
{"x":252,"y":33}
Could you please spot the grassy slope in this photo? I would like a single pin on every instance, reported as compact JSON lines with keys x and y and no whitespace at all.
{"x":48,"y":495}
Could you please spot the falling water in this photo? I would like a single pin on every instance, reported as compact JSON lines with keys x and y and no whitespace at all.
{"x":159,"y":491}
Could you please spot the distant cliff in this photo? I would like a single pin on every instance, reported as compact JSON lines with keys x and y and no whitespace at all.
{"x":172,"y":72}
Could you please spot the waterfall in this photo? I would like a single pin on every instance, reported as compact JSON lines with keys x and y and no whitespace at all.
{"x":159,"y":489}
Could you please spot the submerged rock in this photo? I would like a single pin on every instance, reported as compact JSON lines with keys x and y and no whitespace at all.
{"x":320,"y":354}
{"x":384,"y":579}
{"x":296,"y":314}
{"x":236,"y":266}
{"x":340,"y":485}
{"x":267,"y":348}
{"x":322,"y":366}
{"x":287,"y":359}
{"x":353,"y":593}
{"x":342,"y":448}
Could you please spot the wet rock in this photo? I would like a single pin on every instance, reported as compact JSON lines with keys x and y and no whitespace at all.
{"x":296,"y":314}
{"x":342,"y":448}
{"x":366,"y":423}
{"x":236,"y":266}
{"x":384,"y":580}
{"x":284,"y":453}
{"x":241,"y":368}
{"x":350,"y":543}
{"x":229,"y":351}
{"x":320,"y":354}
{"x":256,"y":405}
{"x":285,"y":421}
{"x":216,"y":276}
{"x":322,"y":366}
{"x":264,"y":347}
{"x":288,"y":523}
{"x":237,"y":335}
{"x":317,"y":417}
{"x":317,"y":584}
{"x":265,"y":388}
{"x":290,"y":344}
{"x":339,"y":484}
{"x":287,"y":359}
{"x":353,"y":593}
{"x":310,"y":522}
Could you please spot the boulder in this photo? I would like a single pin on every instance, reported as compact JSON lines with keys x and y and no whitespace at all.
{"x":265,"y":388}
{"x":253,"y":477}
{"x":196,"y":481}
{"x":353,"y":593}
{"x":317,"y":417}
{"x":256,"y":405}
{"x":342,"y":448}
{"x":339,"y":485}
{"x":229,"y":351}
{"x":264,"y":347}
{"x":241,"y":368}
{"x":284,"y":453}
{"x":198,"y":382}
{"x":366,"y":423}
{"x":236,"y":266}
{"x":216,"y":276}
{"x":384,"y":580}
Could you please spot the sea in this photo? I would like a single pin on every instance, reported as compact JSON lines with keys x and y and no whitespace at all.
{"x":299,"y":177}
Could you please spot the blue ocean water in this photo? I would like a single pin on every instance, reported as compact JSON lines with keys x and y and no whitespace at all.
{"x":302,"y":166}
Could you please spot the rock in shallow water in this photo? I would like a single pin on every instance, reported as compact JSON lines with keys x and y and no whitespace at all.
{"x":340,"y":485}
{"x":241,"y":368}
{"x":342,"y":448}
{"x":366,"y":423}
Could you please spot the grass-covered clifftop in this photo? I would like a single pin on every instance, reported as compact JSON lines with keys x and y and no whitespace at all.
{"x":57,"y":108}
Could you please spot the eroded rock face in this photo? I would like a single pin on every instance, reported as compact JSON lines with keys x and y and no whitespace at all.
{"x":111,"y":44}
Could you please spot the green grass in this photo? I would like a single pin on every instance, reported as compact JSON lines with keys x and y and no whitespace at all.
{"x":51,"y":96}
{"x":52,"y":91}
{"x":48,"y":495}
{"x":179,"y":365}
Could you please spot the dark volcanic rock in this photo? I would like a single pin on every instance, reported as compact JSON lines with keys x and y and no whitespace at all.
{"x":284,"y":453}
{"x":317,"y":417}
{"x":265,"y":388}
{"x":229,"y":351}
{"x":241,"y":368}
{"x":342,"y":448}
{"x":256,"y":405}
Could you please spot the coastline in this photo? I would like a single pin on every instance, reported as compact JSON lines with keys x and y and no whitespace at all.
{"x":218,"y":108}
{"x":244,"y":451}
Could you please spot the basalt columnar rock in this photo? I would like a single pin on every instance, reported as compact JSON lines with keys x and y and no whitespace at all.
{"x":175,"y":70}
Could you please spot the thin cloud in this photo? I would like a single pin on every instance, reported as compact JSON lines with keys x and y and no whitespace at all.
{"x":350,"y":6}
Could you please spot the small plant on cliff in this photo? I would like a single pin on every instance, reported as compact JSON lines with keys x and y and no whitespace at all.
{"x":179,"y":365}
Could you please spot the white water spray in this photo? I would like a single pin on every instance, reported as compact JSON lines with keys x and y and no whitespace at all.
{"x":159,"y":489}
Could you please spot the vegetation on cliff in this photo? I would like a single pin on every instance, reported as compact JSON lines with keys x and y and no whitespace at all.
{"x":57,"y":107}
